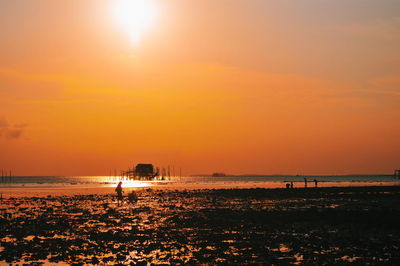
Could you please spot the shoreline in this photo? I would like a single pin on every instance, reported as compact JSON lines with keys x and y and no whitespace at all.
{"x":84,"y":189}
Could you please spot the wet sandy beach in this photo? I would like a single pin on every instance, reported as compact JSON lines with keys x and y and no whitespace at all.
{"x":317,"y":226}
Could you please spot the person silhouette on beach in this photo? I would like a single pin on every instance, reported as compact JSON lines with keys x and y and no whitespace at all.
{"x":291,"y":184}
{"x":305,"y":182}
{"x":119,"y":191}
{"x":316,"y":182}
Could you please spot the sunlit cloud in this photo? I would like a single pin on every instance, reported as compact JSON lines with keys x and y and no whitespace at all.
{"x":11,"y":132}
{"x":3,"y":122}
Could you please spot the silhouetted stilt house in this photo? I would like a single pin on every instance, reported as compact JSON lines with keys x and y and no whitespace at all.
{"x":141,"y":171}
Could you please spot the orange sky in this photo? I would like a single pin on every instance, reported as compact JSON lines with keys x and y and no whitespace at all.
{"x":255,"y":86}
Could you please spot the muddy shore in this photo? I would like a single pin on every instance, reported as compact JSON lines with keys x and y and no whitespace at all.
{"x":317,"y":226}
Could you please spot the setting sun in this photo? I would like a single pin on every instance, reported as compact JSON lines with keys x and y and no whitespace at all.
{"x":134,"y":17}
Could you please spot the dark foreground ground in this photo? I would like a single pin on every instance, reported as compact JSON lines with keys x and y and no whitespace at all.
{"x":325,"y":226}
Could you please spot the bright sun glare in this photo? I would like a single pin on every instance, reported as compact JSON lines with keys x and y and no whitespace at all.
{"x":134,"y":17}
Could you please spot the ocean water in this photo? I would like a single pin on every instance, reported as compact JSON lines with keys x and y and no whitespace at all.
{"x":267,"y":181}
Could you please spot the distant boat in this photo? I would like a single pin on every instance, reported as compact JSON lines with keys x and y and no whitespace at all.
{"x":218,"y":174}
{"x":397,"y":173}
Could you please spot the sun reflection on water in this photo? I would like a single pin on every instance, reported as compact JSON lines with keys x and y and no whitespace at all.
{"x":132,"y":184}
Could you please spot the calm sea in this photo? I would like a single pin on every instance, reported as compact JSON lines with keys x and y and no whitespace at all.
{"x":272,"y":181}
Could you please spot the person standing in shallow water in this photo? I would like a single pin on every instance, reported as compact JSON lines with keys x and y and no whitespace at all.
{"x":316,"y":182}
{"x":305,"y":182}
{"x":119,"y":191}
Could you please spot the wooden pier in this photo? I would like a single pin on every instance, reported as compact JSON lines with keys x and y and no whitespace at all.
{"x":148,"y":172}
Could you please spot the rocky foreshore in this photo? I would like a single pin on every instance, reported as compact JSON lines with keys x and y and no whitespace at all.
{"x":317,"y":226}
